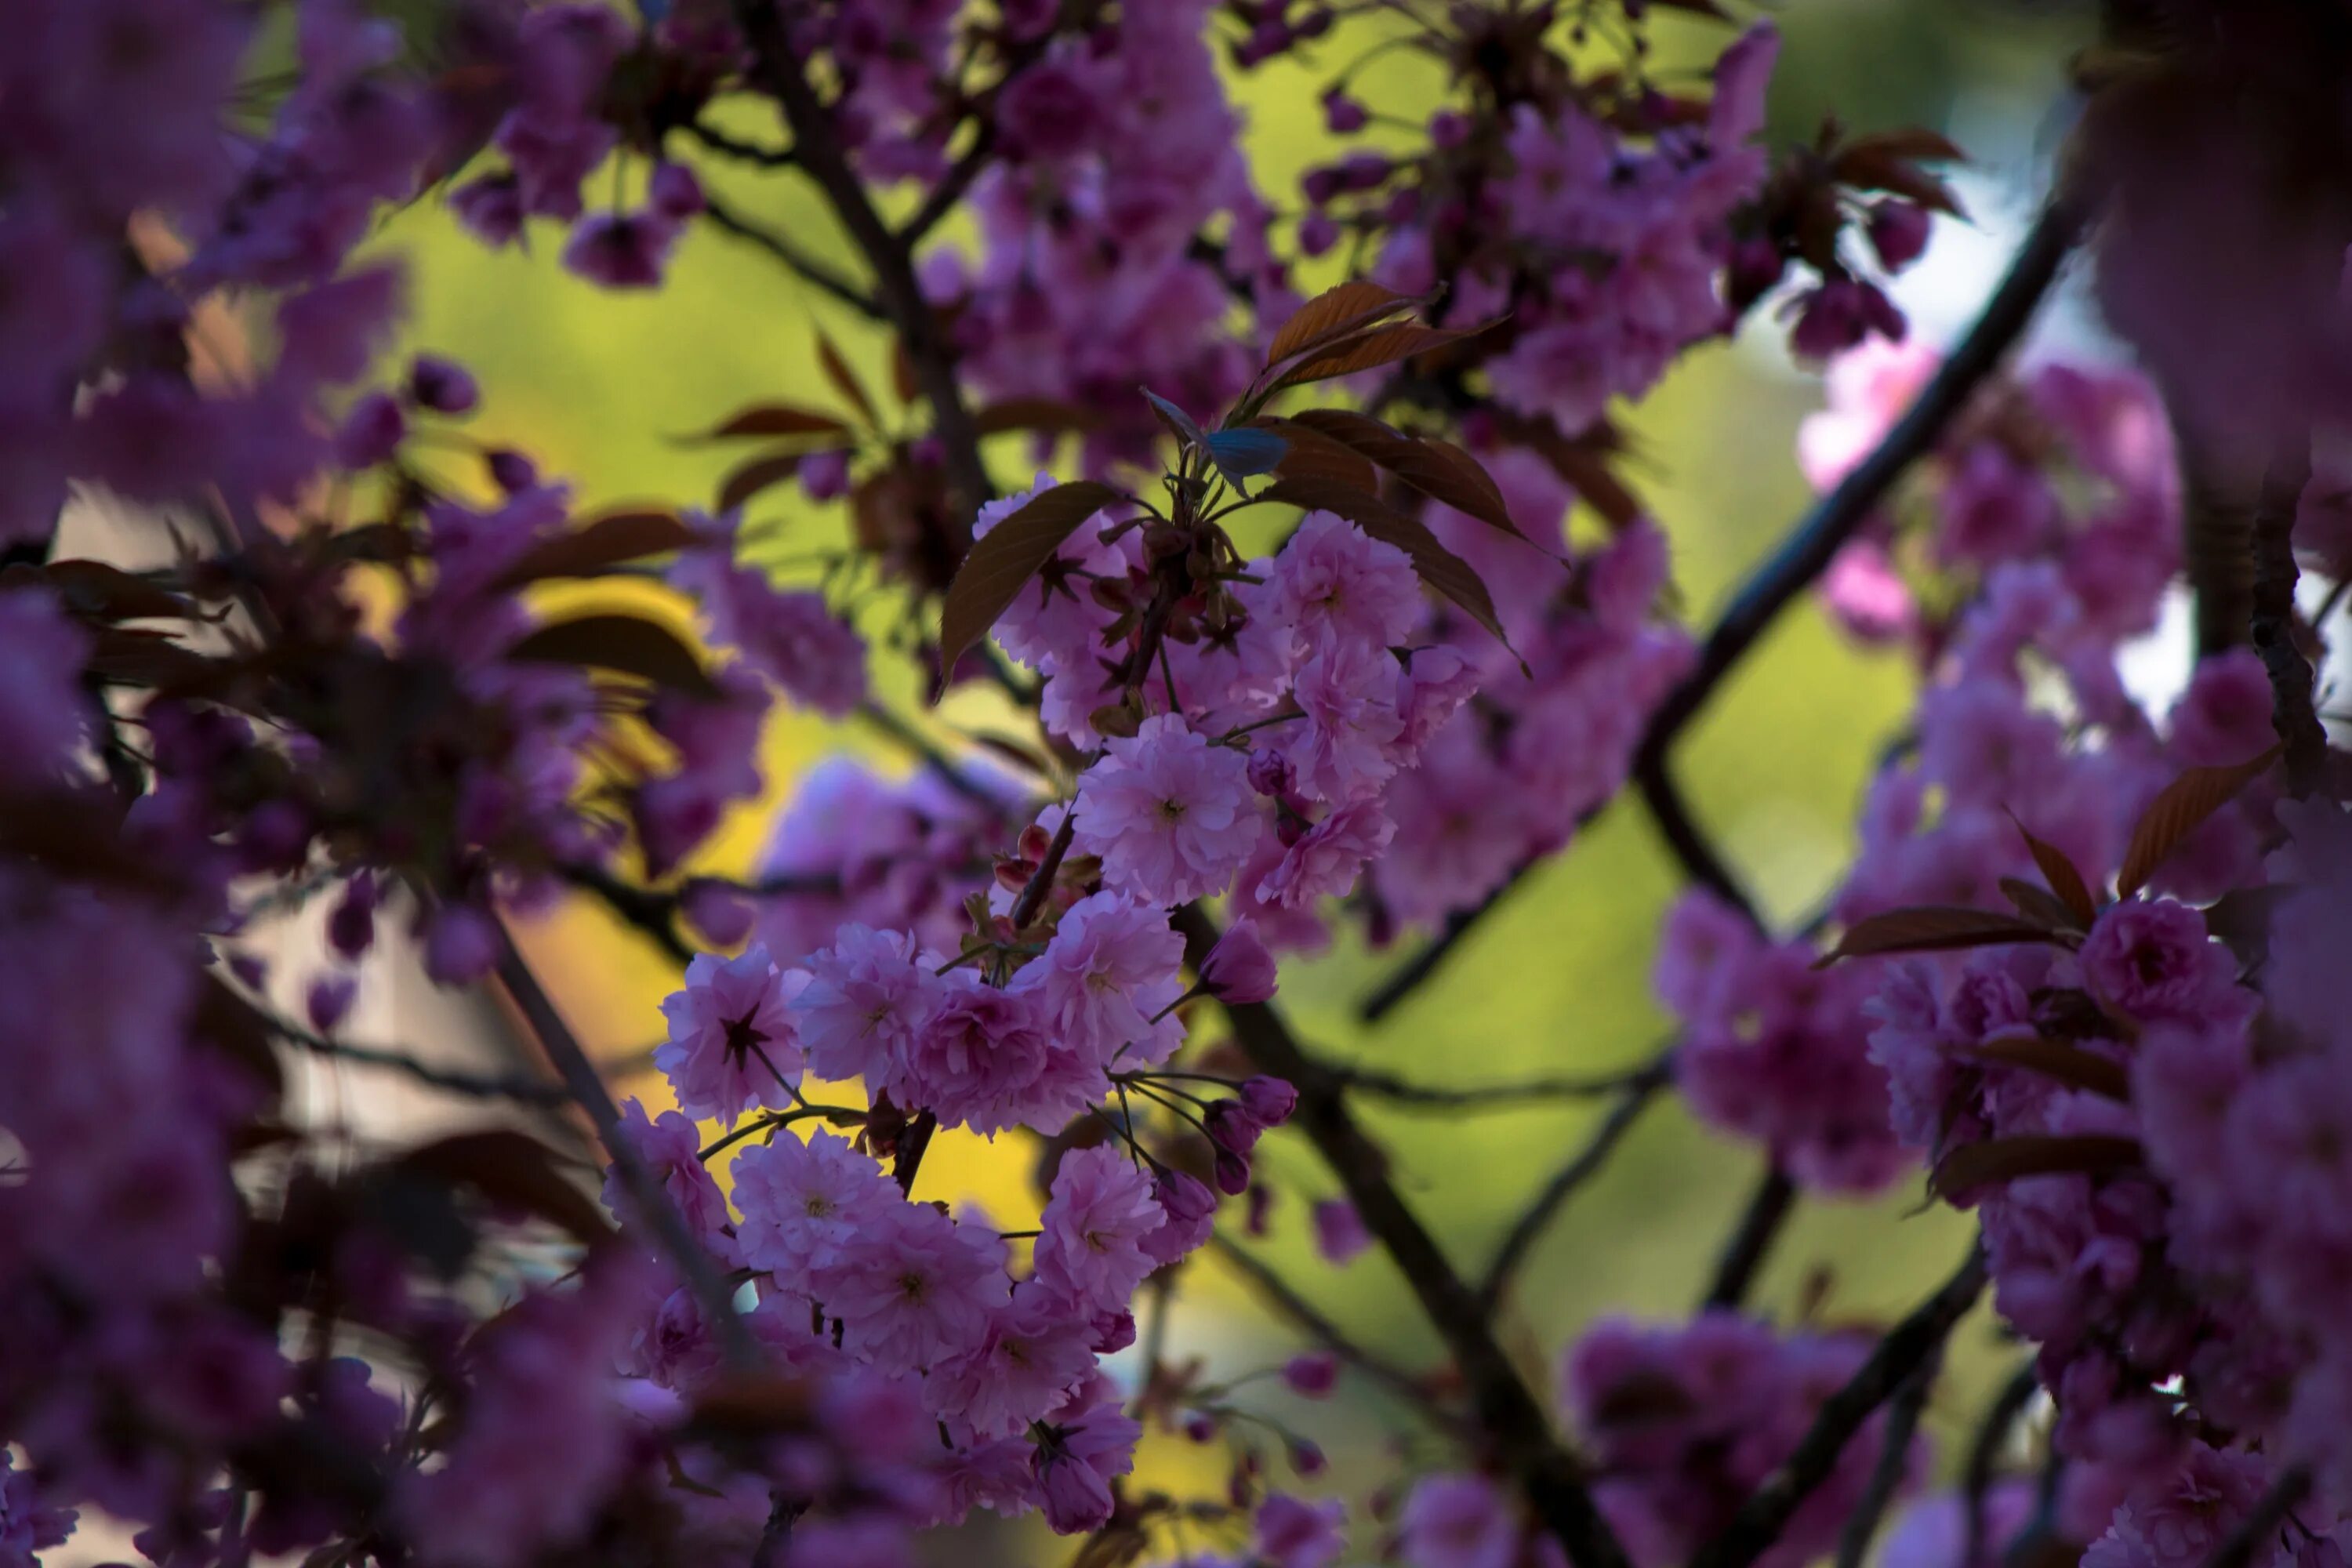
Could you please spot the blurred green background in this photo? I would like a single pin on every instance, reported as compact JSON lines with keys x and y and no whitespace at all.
{"x":598,"y":385}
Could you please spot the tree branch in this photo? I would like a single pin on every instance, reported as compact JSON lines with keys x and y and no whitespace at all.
{"x":1907,"y":1347}
{"x":1814,"y":543}
{"x":579,"y":1076}
{"x":1439,"y":1098}
{"x":1691,"y":847}
{"x":473,"y":1085}
{"x":800,"y":262}
{"x":1743,"y":1253}
{"x":2240,"y":1547}
{"x":1285,"y":1299}
{"x":1893,"y":1462}
{"x":1580,"y":1168}
{"x":1546,"y":1473}
{"x":1984,"y":1450}
{"x":2274,"y":618}
{"x":778,"y":73}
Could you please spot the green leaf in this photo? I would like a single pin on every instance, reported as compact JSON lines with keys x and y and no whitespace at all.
{"x":626,"y":644}
{"x":1439,"y":567}
{"x":1002,"y":560}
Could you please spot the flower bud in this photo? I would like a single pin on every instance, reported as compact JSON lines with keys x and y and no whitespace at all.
{"x":1240,"y":969}
{"x":1269,"y":1100}
{"x":1314,"y":1374}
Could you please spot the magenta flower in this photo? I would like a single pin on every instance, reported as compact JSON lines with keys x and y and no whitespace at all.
{"x":1109,"y":971}
{"x":864,"y":999}
{"x":2153,"y":959}
{"x":912,"y":1287}
{"x":1326,"y":858}
{"x":1035,"y":1351}
{"x":731,"y":1042}
{"x":1076,"y":1463}
{"x":1100,"y":1211}
{"x":1295,"y":1533}
{"x":1341,"y":589}
{"x":801,"y":1201}
{"x":1172,"y":816}
{"x":983,"y":1060}
{"x":1460,"y":1521}
{"x":1239,"y":969}
{"x":669,"y":1146}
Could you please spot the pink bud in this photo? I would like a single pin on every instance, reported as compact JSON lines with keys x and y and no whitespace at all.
{"x":1340,"y":1233}
{"x":442,"y":385}
{"x":1898,"y":232}
{"x":1240,"y":969}
{"x":329,"y":1000}
{"x":1314,"y":1374}
{"x":461,"y":945}
{"x":1306,"y":1457}
{"x":1269,"y":1100}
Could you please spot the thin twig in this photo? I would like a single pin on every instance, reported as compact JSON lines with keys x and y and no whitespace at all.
{"x":1763,"y":1517}
{"x":914,"y":741}
{"x":777,"y":71}
{"x":806,"y":267}
{"x":474,"y":1086}
{"x":1548,"y":1476}
{"x":1744,"y":1251}
{"x":1894,"y":1463}
{"x":652,"y":1203}
{"x":1580,"y":1168}
{"x":1691,"y":847}
{"x":652,"y":914}
{"x":1438,"y":1098}
{"x":1285,"y":1298}
{"x":735,"y":147}
{"x":2274,"y":618}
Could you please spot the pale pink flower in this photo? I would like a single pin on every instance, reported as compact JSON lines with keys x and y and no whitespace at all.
{"x":1295,"y":1533}
{"x":1037,"y":1349}
{"x":731,"y":1042}
{"x":912,"y":1287}
{"x":1325,"y":861}
{"x":1102,"y":1209}
{"x":1109,"y":971}
{"x":1339,"y":588}
{"x":801,"y":1201}
{"x":1341,"y":751}
{"x":1460,"y":1521}
{"x":1172,"y":816}
{"x":865,"y":997}
{"x":984,"y":1060}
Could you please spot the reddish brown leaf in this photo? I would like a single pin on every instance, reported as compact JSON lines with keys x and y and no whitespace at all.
{"x":2063,"y":876}
{"x":626,"y":644}
{"x":844,"y":379}
{"x":514,"y":1172}
{"x":776,"y":419}
{"x":228,"y":1023}
{"x":1045,"y":414}
{"x":2039,"y":904}
{"x":1315,"y":455}
{"x":1002,"y":560}
{"x":2007,"y":1159}
{"x":2069,"y":1065}
{"x":1875,"y":169}
{"x":1439,"y":567}
{"x":762,"y":473}
{"x":1932,"y":928}
{"x":613,"y":540}
{"x":1335,"y":313}
{"x":1370,"y":350}
{"x":2178,"y":811}
{"x":752,"y":1407}
{"x":2240,"y":919}
{"x":1583,"y":463}
{"x":1437,"y":468}
{"x":130,"y":656}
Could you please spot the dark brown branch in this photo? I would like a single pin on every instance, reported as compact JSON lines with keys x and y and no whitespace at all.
{"x":1416,"y":970}
{"x":735,"y":147}
{"x":1744,"y":1252}
{"x":800,"y":262}
{"x":1437,"y":1099}
{"x":1691,"y":847}
{"x":1547,"y":1475}
{"x":1285,"y":1299}
{"x":2274,"y":620}
{"x":1984,"y":1451}
{"x":652,"y":914}
{"x":472,"y":1086}
{"x":1815,"y":543}
{"x":1893,"y":1463}
{"x":579,"y":1075}
{"x":777,"y":71}
{"x":1907,"y":1347}
{"x":1580,"y":1168}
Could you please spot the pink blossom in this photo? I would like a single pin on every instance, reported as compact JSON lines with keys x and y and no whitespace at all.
{"x":865,"y":1000}
{"x":1295,"y":1533}
{"x":983,"y":1059}
{"x":1460,"y":1521}
{"x":1239,"y":969}
{"x":670,"y":1147}
{"x":1325,"y":859}
{"x":731,"y":1042}
{"x":1341,"y":589}
{"x":801,"y":1202}
{"x":912,"y":1287}
{"x":1036,"y":1350}
{"x":1189,"y":1211}
{"x":1341,"y":750}
{"x":1076,"y":1465}
{"x":1172,"y":816}
{"x":1340,"y":1233}
{"x":1100,"y":1211}
{"x":2152,"y":959}
{"x":1110,"y":969}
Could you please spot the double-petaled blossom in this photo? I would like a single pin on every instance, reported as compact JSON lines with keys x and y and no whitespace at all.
{"x":732,"y":1041}
{"x":1172,"y":816}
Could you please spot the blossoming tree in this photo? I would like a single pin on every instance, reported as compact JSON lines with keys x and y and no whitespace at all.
{"x":2080,"y":978}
